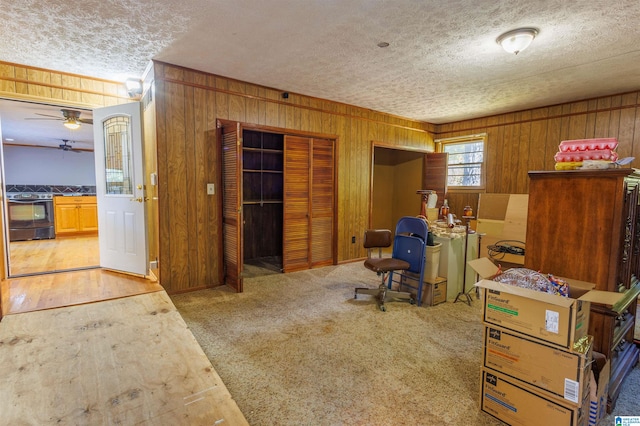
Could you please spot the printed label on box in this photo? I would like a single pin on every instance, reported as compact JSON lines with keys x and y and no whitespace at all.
{"x":627,"y":421}
{"x":571,"y":390}
{"x":552,"y":322}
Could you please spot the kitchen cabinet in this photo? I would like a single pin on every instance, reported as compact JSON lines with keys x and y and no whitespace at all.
{"x":585,"y":225}
{"x":75,"y":215}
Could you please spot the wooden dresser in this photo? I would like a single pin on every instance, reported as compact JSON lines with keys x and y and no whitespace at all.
{"x":585,"y":225}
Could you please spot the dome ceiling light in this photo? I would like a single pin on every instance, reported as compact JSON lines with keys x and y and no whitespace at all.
{"x":517,"y":40}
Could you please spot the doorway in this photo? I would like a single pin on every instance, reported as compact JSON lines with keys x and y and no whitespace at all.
{"x":397,"y":175}
{"x":44,"y":160}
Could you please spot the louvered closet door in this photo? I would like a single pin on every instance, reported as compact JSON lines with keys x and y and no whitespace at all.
{"x":322,"y":202}
{"x":232,"y":205}
{"x":296,"y":231}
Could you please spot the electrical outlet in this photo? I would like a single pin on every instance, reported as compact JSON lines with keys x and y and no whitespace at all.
{"x":353,"y":239}
{"x":211,"y":189}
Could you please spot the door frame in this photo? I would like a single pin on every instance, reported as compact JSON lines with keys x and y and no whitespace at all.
{"x":293,"y":132}
{"x":377,"y":144}
{"x":5,"y":246}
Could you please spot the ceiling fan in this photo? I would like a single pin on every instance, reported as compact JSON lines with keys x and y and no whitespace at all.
{"x":66,"y":147}
{"x":70,"y":117}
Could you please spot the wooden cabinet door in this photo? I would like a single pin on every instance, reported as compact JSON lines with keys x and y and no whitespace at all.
{"x":322,"y":202}
{"x":88,"y":217}
{"x":296,"y":231}
{"x":66,"y":218}
{"x":575,"y":225}
{"x":231,"y":153}
{"x":435,"y":174}
{"x":629,"y":212}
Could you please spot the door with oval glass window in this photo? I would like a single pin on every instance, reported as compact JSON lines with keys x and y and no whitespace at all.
{"x":120,"y":188}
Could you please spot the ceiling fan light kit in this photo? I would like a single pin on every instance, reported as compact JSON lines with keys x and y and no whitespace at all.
{"x":517,"y":40}
{"x":71,"y":124}
{"x":66,"y":147}
{"x":70,"y":118}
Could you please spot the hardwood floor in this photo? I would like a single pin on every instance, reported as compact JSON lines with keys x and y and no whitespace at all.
{"x":36,"y":282}
{"x":58,"y":254}
{"x":47,"y":291}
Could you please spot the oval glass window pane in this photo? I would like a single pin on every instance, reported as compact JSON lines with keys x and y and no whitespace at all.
{"x":117,"y":150}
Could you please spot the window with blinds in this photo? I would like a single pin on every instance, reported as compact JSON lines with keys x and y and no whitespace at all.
{"x":465,"y":164}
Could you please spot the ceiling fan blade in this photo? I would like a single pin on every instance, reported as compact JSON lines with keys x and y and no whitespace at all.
{"x":85,"y":120}
{"x":54,"y":119}
{"x":49,"y":115}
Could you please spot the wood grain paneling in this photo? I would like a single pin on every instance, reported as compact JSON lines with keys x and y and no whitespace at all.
{"x":528,"y":140}
{"x":352,"y":127}
{"x":184,"y":138}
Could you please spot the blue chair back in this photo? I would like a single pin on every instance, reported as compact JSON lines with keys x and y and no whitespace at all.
{"x":411,"y":249}
{"x":414,"y":226}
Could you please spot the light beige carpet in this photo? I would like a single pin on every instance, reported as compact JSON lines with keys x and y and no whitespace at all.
{"x":297,"y":349}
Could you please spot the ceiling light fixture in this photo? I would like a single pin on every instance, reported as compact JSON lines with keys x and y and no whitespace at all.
{"x":71,"y":123}
{"x":134,"y":87}
{"x":517,"y":40}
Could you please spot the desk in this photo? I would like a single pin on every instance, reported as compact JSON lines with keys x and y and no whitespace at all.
{"x":452,"y":259}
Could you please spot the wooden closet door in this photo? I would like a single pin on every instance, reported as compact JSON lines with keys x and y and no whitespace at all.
{"x":322,"y":202}
{"x":296,"y":230}
{"x":229,"y":137}
{"x":435,"y":174}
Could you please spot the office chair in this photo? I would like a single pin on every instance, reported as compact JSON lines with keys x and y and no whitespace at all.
{"x":408,"y":255}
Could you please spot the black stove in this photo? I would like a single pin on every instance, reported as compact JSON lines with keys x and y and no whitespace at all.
{"x":29,"y":196}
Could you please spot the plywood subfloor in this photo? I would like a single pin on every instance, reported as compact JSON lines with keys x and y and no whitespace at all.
{"x":48,"y":291}
{"x":126,"y":361}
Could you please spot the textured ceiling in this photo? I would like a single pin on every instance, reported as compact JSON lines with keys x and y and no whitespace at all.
{"x":442,"y":63}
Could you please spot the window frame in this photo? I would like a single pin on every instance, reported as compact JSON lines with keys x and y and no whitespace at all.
{"x":482,"y":137}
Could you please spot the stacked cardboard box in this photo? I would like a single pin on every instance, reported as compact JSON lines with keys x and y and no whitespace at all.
{"x":433,"y":293}
{"x":537,"y":354}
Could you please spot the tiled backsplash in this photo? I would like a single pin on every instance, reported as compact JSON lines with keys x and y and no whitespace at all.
{"x":54,"y":189}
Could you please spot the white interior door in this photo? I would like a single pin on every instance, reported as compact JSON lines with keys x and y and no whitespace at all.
{"x":120,"y":188}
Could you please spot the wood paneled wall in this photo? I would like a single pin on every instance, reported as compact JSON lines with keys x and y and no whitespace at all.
{"x":189,"y":102}
{"x":21,"y":82}
{"x":57,"y":88}
{"x":527,"y":140}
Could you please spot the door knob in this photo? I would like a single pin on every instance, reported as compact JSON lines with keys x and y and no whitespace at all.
{"x":139,"y":199}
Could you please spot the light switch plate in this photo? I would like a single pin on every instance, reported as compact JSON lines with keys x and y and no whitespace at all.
{"x":211,"y":189}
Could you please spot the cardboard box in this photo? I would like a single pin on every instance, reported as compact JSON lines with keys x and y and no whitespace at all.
{"x":549,"y":318}
{"x":502,"y":217}
{"x":432,"y":293}
{"x":509,"y":401}
{"x":598,"y":396}
{"x":552,"y":371}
